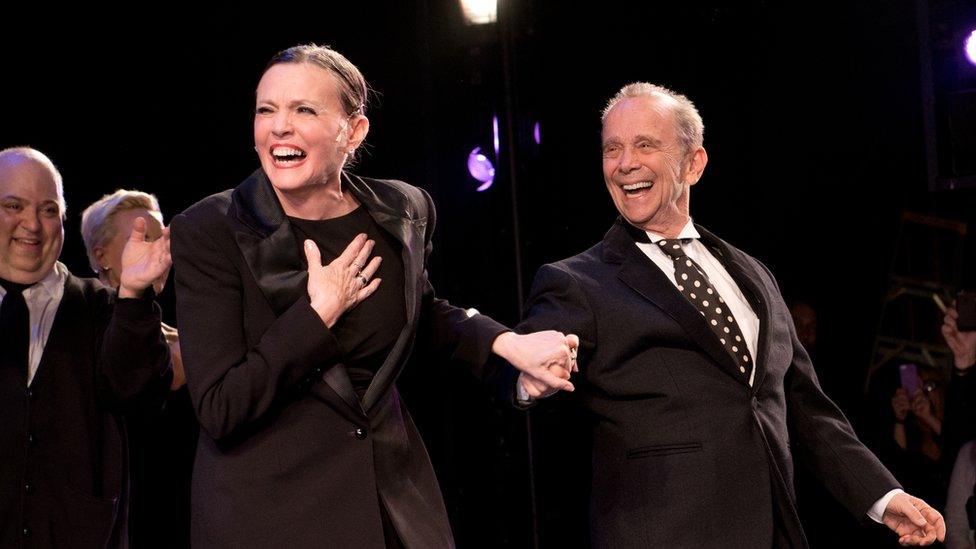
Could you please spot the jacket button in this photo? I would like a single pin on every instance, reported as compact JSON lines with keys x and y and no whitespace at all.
{"x":361,"y":433}
{"x":26,"y":532}
{"x":30,"y":439}
{"x":29,"y":488}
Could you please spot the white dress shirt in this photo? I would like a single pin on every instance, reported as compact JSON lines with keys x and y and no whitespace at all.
{"x":43,"y":300}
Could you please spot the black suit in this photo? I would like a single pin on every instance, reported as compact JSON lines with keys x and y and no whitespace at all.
{"x":288,"y":455}
{"x":63,"y":463}
{"x":684,"y":452}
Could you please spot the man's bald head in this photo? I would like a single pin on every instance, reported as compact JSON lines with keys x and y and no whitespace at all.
{"x":13,"y":156}
{"x":31,"y":215}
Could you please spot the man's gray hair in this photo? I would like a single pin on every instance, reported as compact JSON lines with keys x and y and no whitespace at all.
{"x":13,"y":153}
{"x":98,"y":219}
{"x":688,"y":123}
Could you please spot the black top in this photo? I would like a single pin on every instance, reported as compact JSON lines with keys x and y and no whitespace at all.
{"x":368,"y":331}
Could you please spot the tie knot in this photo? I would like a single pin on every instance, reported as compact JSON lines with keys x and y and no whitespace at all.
{"x":672,"y":247}
{"x":14,"y":287}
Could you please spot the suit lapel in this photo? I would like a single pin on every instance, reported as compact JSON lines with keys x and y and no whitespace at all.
{"x":748,"y":279}
{"x":389,"y":208}
{"x":641,"y":274}
{"x":272,"y":255}
{"x":269,"y":245}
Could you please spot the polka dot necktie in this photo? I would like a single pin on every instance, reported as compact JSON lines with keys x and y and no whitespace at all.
{"x":694,"y":285}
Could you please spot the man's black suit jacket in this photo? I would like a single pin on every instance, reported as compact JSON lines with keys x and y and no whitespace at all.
{"x":684,"y":452}
{"x":63,"y":454}
{"x":288,"y":455}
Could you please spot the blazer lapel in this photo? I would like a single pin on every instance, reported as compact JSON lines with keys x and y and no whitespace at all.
{"x":748,"y":280}
{"x":272,"y":255}
{"x":389,"y":208}
{"x":269,"y":246}
{"x":641,"y":274}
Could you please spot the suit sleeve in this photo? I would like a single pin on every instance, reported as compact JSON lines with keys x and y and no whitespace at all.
{"x":824,"y":440}
{"x":134,"y":360}
{"x":557,"y":302}
{"x":445,"y":328}
{"x":231,"y":383}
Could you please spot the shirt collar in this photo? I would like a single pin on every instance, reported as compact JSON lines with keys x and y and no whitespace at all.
{"x":688,"y":231}
{"x":49,"y":286}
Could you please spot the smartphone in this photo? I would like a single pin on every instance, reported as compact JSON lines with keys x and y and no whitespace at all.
{"x":966,"y":307}
{"x":909,"y":378}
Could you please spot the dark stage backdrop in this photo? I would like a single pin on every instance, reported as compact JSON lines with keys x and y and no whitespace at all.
{"x":813,"y":126}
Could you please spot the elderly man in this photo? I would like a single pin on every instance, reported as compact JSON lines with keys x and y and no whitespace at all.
{"x":698,"y":392}
{"x":74,"y":359}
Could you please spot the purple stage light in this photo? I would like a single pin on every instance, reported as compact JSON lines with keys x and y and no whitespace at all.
{"x":481,"y":168}
{"x":494,"y":128}
{"x":536,"y":135}
{"x":971,"y":47}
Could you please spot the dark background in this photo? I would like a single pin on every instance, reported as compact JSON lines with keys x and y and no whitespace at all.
{"x":814,"y":120}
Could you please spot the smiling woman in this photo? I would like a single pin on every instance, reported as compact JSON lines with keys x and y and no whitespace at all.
{"x":300,"y":297}
{"x":304,"y":131}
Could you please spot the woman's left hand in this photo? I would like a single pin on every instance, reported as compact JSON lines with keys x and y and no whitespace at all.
{"x":144,"y":263}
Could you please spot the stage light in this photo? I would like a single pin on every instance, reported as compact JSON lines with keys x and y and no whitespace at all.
{"x":481,"y":168}
{"x":494,"y":128}
{"x":479,"y":12}
{"x":971,"y":47}
{"x":536,"y":135}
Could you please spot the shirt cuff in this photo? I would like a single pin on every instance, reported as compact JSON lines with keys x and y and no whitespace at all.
{"x":876,"y":512}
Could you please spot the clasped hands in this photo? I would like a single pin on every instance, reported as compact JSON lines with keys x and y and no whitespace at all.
{"x":545,"y":360}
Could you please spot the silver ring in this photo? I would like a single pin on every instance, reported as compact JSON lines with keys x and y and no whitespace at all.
{"x":572,"y":354}
{"x":362,"y":279}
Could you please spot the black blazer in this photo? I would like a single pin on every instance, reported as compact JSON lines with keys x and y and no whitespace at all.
{"x":63,"y":462}
{"x":288,"y":456}
{"x":684,"y":452}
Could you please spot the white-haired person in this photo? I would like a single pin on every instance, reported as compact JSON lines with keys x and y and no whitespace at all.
{"x":162,"y":440}
{"x":701,"y":396}
{"x":105,"y":228}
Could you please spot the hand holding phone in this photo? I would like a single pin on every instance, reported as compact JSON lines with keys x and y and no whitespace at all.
{"x":909,"y":378}
{"x":966,"y":307}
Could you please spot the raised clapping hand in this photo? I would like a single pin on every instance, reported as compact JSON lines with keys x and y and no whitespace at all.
{"x":915,"y":522}
{"x":144,"y":263}
{"x":963,"y":344}
{"x":545,"y":360}
{"x":339,"y":286}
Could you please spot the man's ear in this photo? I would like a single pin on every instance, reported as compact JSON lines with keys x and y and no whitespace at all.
{"x":695,"y":165}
